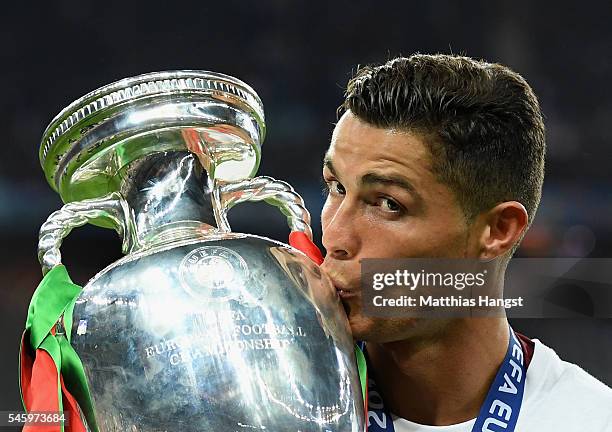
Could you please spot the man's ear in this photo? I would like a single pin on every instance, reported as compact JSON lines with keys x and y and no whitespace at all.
{"x":502,"y":228}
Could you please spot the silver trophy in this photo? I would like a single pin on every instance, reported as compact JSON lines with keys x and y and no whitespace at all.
{"x":197,"y":328}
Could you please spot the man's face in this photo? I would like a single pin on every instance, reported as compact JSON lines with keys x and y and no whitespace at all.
{"x":383,"y":202}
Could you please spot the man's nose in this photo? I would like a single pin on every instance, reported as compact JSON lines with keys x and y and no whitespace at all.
{"x":340,"y":234}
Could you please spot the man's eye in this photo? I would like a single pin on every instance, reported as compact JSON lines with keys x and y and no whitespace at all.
{"x":334,"y":187}
{"x":390,"y":206}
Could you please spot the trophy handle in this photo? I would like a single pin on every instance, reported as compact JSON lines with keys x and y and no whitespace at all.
{"x":275,"y":192}
{"x":111,"y":208}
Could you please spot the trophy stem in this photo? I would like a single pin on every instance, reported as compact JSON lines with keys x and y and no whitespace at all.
{"x":169,"y":195}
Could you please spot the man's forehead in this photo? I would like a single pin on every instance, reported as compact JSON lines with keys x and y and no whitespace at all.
{"x":355,"y":142}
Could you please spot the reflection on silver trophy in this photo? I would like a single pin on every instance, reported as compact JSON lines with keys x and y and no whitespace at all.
{"x":197,"y":328}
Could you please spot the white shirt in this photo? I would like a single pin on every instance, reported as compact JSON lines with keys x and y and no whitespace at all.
{"x":559,"y":397}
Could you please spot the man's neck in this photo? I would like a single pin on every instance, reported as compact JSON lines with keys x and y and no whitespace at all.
{"x":444,"y":379}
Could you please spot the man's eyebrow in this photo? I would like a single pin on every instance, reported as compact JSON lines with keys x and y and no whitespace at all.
{"x":370,"y":179}
{"x":328,"y":163}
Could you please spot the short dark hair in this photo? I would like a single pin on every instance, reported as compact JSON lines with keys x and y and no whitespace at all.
{"x":481,"y":121}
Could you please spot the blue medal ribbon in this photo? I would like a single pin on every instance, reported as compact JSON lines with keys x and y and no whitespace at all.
{"x":501,"y":407}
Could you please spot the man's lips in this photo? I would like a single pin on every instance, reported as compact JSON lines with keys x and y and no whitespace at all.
{"x":341,"y":283}
{"x":343,"y":292}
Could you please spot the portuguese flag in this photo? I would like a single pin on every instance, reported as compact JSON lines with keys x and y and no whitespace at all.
{"x":51,"y":374}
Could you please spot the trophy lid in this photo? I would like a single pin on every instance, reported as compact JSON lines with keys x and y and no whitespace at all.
{"x":86,"y":148}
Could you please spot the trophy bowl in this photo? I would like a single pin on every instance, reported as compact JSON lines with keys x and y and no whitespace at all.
{"x":196,"y":327}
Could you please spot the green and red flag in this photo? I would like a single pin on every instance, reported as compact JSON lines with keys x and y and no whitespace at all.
{"x":51,"y":374}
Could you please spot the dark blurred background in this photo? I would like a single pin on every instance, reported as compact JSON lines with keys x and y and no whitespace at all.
{"x":298,"y":55}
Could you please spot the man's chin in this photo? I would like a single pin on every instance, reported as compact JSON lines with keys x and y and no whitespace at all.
{"x":362,"y":328}
{"x":347,"y":308}
{"x":369,"y":329}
